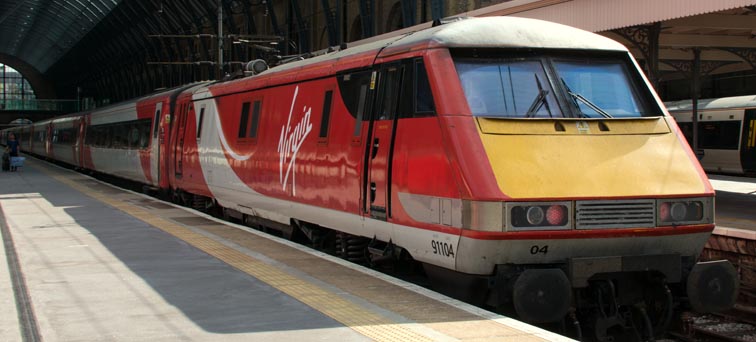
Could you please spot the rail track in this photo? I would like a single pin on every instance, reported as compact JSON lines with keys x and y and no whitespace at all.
{"x":736,"y":325}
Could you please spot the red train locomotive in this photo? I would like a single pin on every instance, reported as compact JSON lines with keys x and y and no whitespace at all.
{"x":523,"y":163}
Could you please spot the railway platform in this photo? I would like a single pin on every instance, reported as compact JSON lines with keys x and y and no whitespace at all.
{"x":736,"y":200}
{"x":734,"y":237}
{"x":85,"y":261}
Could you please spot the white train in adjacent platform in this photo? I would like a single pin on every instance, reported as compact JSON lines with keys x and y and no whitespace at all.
{"x":726,"y":132}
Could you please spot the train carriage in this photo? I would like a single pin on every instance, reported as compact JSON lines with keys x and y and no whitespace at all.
{"x":64,"y":143}
{"x":726,"y":132}
{"x":39,"y":144}
{"x":502,"y":151}
{"x":24,"y":137}
{"x":129,"y":140}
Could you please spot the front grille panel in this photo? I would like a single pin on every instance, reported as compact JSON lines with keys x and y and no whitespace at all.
{"x":615,"y":214}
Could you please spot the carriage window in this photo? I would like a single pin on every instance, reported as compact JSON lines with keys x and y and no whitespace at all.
{"x":104,"y":136}
{"x":157,"y":124}
{"x":134,"y":136}
{"x":255,"y":119}
{"x":326,"y":114}
{"x":89,"y":138}
{"x":244,"y":119}
{"x":423,"y":97}
{"x":360,"y":109}
{"x":687,"y":130}
{"x":719,"y":135}
{"x":144,"y":134}
{"x":64,"y":136}
{"x":391,"y":79}
{"x":515,"y":88}
{"x":199,"y":122}
{"x":120,"y":136}
{"x":353,"y":88}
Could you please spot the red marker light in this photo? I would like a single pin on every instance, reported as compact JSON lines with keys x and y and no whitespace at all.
{"x":664,"y":212}
{"x":556,"y":215}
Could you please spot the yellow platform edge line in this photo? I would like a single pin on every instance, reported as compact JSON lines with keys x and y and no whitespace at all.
{"x":356,"y":317}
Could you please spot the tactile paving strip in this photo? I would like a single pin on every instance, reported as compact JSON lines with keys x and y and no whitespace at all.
{"x":356,"y":317}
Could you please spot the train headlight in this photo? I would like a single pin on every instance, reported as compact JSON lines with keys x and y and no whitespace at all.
{"x":679,"y":211}
{"x":685,"y":211}
{"x":534,"y":215}
{"x":538,"y":216}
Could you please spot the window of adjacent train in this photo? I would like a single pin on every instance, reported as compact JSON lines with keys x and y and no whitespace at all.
{"x":507,"y":88}
{"x":719,"y":135}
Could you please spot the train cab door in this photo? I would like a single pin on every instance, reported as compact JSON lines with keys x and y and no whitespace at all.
{"x":748,"y":145}
{"x":380,"y":141}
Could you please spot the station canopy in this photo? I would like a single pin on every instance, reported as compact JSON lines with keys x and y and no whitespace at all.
{"x":40,"y":32}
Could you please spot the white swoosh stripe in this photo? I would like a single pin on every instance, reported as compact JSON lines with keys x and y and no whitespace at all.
{"x":222,"y":137}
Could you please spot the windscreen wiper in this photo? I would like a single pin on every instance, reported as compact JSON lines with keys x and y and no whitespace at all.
{"x":575,"y":97}
{"x":540,"y":100}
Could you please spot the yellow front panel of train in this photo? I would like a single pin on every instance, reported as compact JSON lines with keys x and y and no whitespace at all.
{"x":588,"y":158}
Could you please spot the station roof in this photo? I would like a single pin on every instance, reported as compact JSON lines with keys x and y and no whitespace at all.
{"x":724,"y":30}
{"x":80,"y":42}
{"x":40,"y":32}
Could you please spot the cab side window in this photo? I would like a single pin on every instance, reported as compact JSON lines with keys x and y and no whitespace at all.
{"x":419,"y":103}
{"x":424,"y":105}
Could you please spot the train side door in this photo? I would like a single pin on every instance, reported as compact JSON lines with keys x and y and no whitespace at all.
{"x":180,"y":135}
{"x":81,"y":135}
{"x":74,"y":141}
{"x":379,"y":149}
{"x":748,"y":145}
{"x":155,"y":146}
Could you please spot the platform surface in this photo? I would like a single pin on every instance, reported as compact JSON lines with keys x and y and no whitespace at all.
{"x":735,"y":206}
{"x":84,"y":261}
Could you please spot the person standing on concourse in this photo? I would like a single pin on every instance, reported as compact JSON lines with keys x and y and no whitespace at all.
{"x":13,"y":147}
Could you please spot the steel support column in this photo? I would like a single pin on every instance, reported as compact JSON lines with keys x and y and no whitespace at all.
{"x":409,"y":12}
{"x":693,"y":71}
{"x":367,"y":11}
{"x":276,"y":28}
{"x":303,"y":45}
{"x":437,"y":9}
{"x":695,"y":91}
{"x":331,"y":26}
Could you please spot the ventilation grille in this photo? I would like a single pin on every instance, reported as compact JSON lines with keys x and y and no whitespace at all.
{"x":615,"y":214}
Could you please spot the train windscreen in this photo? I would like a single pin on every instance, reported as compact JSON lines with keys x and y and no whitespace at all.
{"x":532,"y":87}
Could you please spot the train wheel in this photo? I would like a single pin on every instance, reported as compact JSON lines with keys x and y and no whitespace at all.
{"x":659,"y":305}
{"x":713,"y":286}
{"x":542,"y":296}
